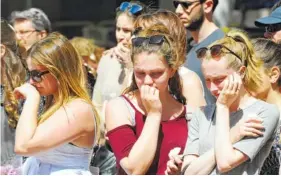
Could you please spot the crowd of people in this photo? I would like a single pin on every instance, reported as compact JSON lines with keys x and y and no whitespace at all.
{"x":159,"y":102}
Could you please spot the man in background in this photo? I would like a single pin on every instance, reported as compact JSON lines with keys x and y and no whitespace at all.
{"x":272,"y":23}
{"x":197,"y":17}
{"x":30,"y":25}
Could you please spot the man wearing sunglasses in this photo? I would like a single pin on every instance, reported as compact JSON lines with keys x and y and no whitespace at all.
{"x":197,"y":17}
{"x":30,"y":25}
{"x":272,"y":24}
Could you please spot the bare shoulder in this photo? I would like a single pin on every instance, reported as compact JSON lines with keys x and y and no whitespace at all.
{"x":117,"y":113}
{"x":82,"y":111}
{"x":190,"y":77}
{"x":80,"y":105}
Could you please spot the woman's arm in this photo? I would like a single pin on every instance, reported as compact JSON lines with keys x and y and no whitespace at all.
{"x":61,"y":127}
{"x":204,"y":164}
{"x":227,"y":157}
{"x":142,"y":152}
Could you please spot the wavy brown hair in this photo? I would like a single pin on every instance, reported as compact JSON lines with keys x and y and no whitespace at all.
{"x":13,"y":72}
{"x":168,"y":51}
{"x":172,"y":22}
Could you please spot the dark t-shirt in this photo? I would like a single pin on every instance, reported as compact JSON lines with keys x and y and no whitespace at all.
{"x":194,"y":64}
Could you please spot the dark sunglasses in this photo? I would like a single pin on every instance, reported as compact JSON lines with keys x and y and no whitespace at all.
{"x":216,"y":50}
{"x":185,"y":5}
{"x":156,"y":39}
{"x":36,"y":75}
{"x":273,"y":28}
{"x":132,"y":8}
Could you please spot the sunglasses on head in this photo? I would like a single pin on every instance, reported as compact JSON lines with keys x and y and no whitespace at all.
{"x":215,"y":50}
{"x":185,"y":5}
{"x":155,"y":39}
{"x":36,"y":75}
{"x":132,"y":8}
{"x":273,"y":28}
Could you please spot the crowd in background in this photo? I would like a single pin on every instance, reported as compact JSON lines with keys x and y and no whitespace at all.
{"x":176,"y":95}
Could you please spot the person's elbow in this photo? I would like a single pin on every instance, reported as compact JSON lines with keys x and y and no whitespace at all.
{"x":29,"y":149}
{"x":223,"y":166}
{"x":22,"y":150}
{"x":133,"y":169}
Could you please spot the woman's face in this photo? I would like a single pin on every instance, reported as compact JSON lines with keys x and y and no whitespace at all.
{"x":124,"y":28}
{"x":152,"y":69}
{"x":48,"y":84}
{"x":215,"y":73}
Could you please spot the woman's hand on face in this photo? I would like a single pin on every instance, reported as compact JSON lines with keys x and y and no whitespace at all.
{"x":251,"y":127}
{"x":123,"y":54}
{"x":150,"y":99}
{"x":175,"y":162}
{"x":231,"y":90}
{"x":26,"y":91}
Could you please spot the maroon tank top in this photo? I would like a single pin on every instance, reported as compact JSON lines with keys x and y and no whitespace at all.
{"x":173,"y":133}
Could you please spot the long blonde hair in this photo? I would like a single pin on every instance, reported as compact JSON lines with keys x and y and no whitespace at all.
{"x":13,"y":72}
{"x":57,"y":54}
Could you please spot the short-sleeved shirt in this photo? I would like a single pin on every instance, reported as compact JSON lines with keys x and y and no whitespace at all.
{"x":194,"y":64}
{"x":201,"y":136}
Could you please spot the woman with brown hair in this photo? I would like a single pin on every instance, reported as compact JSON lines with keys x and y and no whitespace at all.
{"x":191,"y":84}
{"x":115,"y":67}
{"x":268,"y":90}
{"x":13,"y":75}
{"x":149,"y":119}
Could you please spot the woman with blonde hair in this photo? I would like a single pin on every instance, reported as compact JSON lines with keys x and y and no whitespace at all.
{"x":60,"y":141}
{"x":149,"y":119}
{"x":191,"y":84}
{"x":233,"y":136}
{"x":12,"y":75}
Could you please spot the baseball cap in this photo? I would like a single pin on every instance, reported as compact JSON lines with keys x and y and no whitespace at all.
{"x":273,"y":18}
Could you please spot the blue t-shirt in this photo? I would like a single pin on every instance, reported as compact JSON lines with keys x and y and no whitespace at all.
{"x":194,"y":64}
